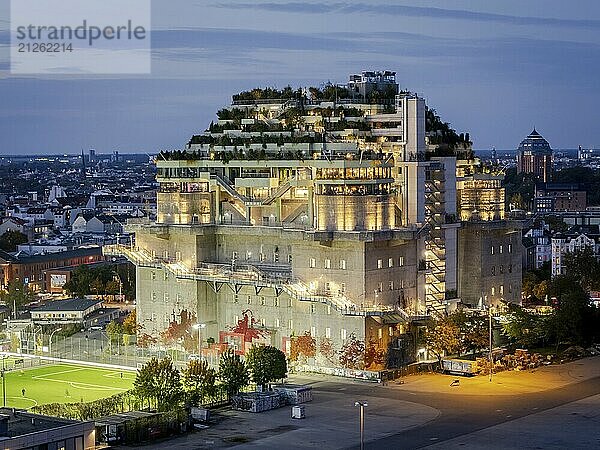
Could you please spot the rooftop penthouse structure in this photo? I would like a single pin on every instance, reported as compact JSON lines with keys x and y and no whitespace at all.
{"x":310,"y":212}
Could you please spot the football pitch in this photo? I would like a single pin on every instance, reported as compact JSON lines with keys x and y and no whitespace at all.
{"x":63,"y":383}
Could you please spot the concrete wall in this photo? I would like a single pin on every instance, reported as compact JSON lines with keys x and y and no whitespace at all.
{"x":486,"y":273}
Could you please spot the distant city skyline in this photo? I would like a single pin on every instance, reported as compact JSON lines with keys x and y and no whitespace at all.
{"x":494,"y":70}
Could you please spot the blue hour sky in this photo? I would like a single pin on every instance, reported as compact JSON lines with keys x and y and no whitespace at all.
{"x":492,"y":68}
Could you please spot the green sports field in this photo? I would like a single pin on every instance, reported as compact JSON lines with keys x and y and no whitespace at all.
{"x":63,"y":383}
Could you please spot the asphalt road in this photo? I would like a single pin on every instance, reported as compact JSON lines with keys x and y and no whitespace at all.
{"x":464,"y":414}
{"x":523,"y":410}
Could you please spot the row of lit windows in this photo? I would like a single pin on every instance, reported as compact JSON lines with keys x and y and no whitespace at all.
{"x":390,"y":262}
{"x":342,"y":265}
{"x":500,"y":249}
{"x":312,"y":263}
{"x":501,"y":290}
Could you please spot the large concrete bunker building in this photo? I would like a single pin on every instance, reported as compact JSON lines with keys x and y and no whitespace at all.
{"x":320,"y":213}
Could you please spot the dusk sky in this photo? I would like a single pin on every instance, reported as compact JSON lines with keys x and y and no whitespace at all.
{"x":493,"y":68}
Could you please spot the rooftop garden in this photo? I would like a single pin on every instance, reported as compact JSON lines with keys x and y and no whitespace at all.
{"x":225,"y":140}
{"x":447,"y":141}
{"x":251,"y":154}
{"x":268,"y":93}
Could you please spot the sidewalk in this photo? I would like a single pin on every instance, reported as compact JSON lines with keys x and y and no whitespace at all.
{"x":505,"y":383}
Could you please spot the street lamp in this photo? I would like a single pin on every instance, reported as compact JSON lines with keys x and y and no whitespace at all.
{"x":362,"y":406}
{"x":50,"y":343}
{"x":491,"y":357}
{"x":199,"y":327}
{"x":4,"y":380}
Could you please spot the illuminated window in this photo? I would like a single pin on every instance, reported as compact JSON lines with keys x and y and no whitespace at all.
{"x":501,"y":289}
{"x":328,"y":264}
{"x":328,"y":309}
{"x":391,"y":285}
{"x":312,"y":263}
{"x":380,"y":263}
{"x":493,"y":290}
{"x":342,"y":264}
{"x":277,"y":324}
{"x":509,"y":248}
{"x":500,"y":249}
{"x":313,"y":331}
{"x":379,"y":333}
{"x":492,"y":250}
{"x":390,"y":262}
{"x":401,"y":261}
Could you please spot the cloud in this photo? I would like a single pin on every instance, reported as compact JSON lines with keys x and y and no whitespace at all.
{"x":410,"y":11}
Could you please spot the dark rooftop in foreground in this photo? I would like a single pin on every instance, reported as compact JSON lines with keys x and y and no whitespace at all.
{"x":73,"y":304}
{"x":18,"y":422}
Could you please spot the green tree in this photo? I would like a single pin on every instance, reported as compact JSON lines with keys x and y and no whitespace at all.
{"x":16,"y":296}
{"x":130,"y":325}
{"x":570,"y":320}
{"x":113,"y":287}
{"x":198,"y":381}
{"x":474,"y":330}
{"x":523,"y":328}
{"x":80,"y":281}
{"x":159,"y":383}
{"x":233,"y":372}
{"x":266,"y":363}
{"x":442,"y":337}
{"x":114,"y":330}
{"x":11,"y":239}
{"x":584,"y":267}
